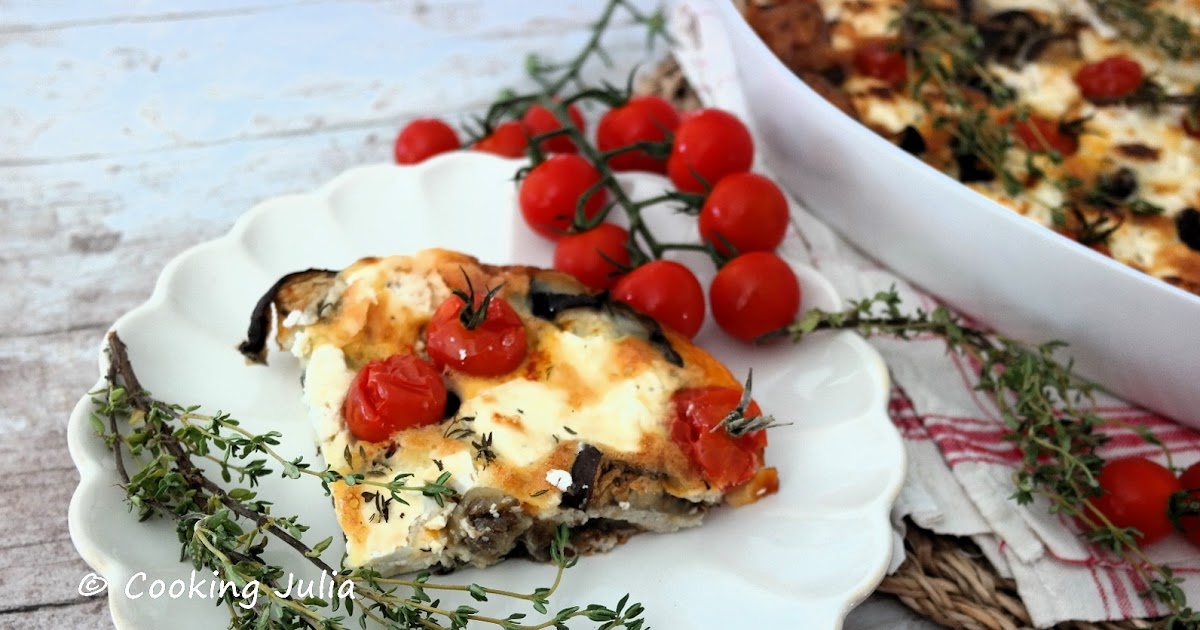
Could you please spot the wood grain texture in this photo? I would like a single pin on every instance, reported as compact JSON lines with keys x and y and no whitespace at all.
{"x":130,"y":131}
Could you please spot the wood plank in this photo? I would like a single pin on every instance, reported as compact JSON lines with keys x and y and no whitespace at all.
{"x":88,"y":234}
{"x":45,"y":376}
{"x":147,"y":87}
{"x":53,"y":372}
{"x":55,"y":582}
{"x":86,"y":613}
{"x":32,"y":16}
{"x":36,"y":17}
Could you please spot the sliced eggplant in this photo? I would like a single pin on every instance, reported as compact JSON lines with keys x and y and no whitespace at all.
{"x":583,"y":477}
{"x":293,"y":292}
{"x":547,"y":300}
{"x":1187,"y":224}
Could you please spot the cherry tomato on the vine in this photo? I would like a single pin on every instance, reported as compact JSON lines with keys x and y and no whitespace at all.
{"x":590,"y":255}
{"x":1190,"y":482}
{"x":754,"y":294}
{"x":1135,"y":492}
{"x":881,"y":59}
{"x":396,"y":393}
{"x":726,"y":461}
{"x":1111,"y":77}
{"x":539,"y":120}
{"x":551,"y":191}
{"x":709,"y":144}
{"x":422,"y":139}
{"x":666,"y":291}
{"x":642,"y":119}
{"x":745,"y":210}
{"x":507,"y":139}
{"x":1039,"y":134}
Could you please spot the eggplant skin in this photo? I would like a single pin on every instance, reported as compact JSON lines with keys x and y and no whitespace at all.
{"x":546,"y":302}
{"x":293,"y":292}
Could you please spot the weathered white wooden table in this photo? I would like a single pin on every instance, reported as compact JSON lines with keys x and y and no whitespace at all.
{"x":132,"y":130}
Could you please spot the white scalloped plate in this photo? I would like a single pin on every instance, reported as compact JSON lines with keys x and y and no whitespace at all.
{"x":804,"y":556}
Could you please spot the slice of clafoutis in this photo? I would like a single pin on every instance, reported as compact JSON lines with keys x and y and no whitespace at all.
{"x":607,"y":424}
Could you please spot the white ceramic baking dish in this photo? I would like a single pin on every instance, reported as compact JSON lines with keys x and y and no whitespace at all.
{"x":1133,"y":334}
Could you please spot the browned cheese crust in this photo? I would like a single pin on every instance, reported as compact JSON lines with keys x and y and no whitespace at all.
{"x":1034,"y":48}
{"x":368,"y":312}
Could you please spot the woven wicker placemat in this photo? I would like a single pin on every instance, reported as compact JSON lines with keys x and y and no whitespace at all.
{"x":943,"y":578}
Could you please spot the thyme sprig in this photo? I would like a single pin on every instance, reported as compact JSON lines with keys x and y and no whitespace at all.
{"x":474,"y":312}
{"x":1139,"y":21}
{"x":1048,"y":413}
{"x":739,"y":421}
{"x":946,"y":55}
{"x":951,"y":78}
{"x":158,"y":449}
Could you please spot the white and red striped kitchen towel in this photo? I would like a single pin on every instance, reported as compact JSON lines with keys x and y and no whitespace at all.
{"x":960,"y":469}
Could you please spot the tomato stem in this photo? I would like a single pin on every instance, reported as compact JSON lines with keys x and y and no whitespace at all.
{"x":471,"y":315}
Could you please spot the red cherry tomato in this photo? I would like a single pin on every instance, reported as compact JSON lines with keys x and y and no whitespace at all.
{"x":709,"y":144}
{"x":1191,"y":125}
{"x":881,"y":59}
{"x":1111,"y":77}
{"x":745,"y":210}
{"x":726,"y":461}
{"x":507,"y":139}
{"x":642,"y":119}
{"x":666,"y":291}
{"x":1038,"y":134}
{"x":539,"y":120}
{"x":1190,"y":481}
{"x":422,"y":139}
{"x":496,"y":345}
{"x":1135,"y":493}
{"x":397,"y":393}
{"x":551,"y":191}
{"x":754,"y":294}
{"x":590,"y":255}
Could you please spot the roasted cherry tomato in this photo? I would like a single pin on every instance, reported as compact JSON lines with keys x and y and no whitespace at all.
{"x":746,"y":211}
{"x":550,"y":194}
{"x":487,"y":339}
{"x":754,"y":294}
{"x":709,"y":144}
{"x":1111,"y":77}
{"x":642,"y":119}
{"x":1190,"y":481}
{"x":1135,"y":493}
{"x":666,"y":291}
{"x":1039,"y":134}
{"x":726,"y":461}
{"x":397,"y":393}
{"x":539,"y":120}
{"x":881,"y":59}
{"x":596,"y":256}
{"x":507,"y":139}
{"x":424,"y":138}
